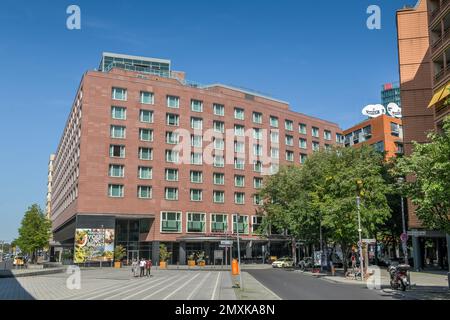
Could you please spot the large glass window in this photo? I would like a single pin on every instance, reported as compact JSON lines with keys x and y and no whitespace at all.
{"x":172,"y":156}
{"x":118,"y":132}
{"x":219,"y":126}
{"x":274,"y":122}
{"x":240,"y":224}
{"x":219,"y":109}
{"x":145,"y":153}
{"x":196,"y":222}
{"x":172,"y":137}
{"x":219,"y":196}
{"x":172,"y":119}
{"x":239,"y":130}
{"x":147,"y":97}
{"x":219,"y":223}
{"x":119,"y":113}
{"x":115,"y":190}
{"x":196,"y":158}
{"x":196,"y":195}
{"x":302,"y":128}
{"x":173,"y":102}
{"x":171,"y":222}
{"x":119,"y":94}
{"x":146,"y":134}
{"x":144,"y":192}
{"x":197,"y":105}
{"x":196,"y":123}
{"x":172,"y":174}
{"x":116,"y":170}
{"x":145,"y":173}
{"x":196,"y":177}
{"x":171,"y":194}
{"x":146,"y":116}
{"x":257,"y":117}
{"x":219,"y":178}
{"x":239,"y":114}
{"x":239,"y":181}
{"x":239,"y":198}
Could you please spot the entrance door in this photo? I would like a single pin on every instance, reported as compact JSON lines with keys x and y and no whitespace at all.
{"x":132,"y":255}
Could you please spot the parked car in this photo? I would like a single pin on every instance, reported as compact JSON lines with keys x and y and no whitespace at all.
{"x":284,"y":262}
{"x":19,"y":261}
{"x":306,"y":263}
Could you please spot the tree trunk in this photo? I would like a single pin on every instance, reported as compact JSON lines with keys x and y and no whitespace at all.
{"x":294,"y":251}
{"x":344,"y":256}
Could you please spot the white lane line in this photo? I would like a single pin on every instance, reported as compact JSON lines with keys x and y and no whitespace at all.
{"x":184,"y":285}
{"x":198,"y":286}
{"x":146,"y":289}
{"x":217,"y":284}
{"x":83,"y":295}
{"x":158,"y":291}
{"x":133,"y":289}
{"x":118,"y":289}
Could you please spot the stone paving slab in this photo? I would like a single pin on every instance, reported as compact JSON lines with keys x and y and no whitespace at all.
{"x":253,"y":289}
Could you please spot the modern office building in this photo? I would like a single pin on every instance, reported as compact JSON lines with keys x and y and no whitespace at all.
{"x":424,"y":53}
{"x":149,"y":158}
{"x":385,"y":133}
{"x":49,"y":187}
{"x":390,"y":93}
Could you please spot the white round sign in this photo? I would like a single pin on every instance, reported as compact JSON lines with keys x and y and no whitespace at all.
{"x":374,"y":110}
{"x":394,"y":110}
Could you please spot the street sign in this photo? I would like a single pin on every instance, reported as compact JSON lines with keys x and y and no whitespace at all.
{"x":224,"y":246}
{"x":369,"y":240}
{"x":226,"y":242}
{"x":416,"y":233}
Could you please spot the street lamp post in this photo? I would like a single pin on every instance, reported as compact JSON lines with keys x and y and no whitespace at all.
{"x":239,"y":251}
{"x":405,"y":235}
{"x":1,"y":256}
{"x":361,"y":267}
{"x":103,"y":243}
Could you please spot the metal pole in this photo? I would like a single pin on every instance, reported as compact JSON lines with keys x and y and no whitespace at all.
{"x":1,"y":256}
{"x":361,"y":267}
{"x":405,"y":242}
{"x":239,"y":252}
{"x":103,"y":236}
{"x":321,"y":245}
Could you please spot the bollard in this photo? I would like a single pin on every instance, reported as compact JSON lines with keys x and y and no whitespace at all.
{"x":234,"y":268}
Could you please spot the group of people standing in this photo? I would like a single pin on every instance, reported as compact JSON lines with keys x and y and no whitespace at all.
{"x":142,"y":267}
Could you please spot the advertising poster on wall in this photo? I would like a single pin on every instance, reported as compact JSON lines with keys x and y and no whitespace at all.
{"x":94,"y":245}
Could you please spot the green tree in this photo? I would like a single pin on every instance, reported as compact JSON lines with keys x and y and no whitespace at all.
{"x":34,"y":232}
{"x":428,"y":183}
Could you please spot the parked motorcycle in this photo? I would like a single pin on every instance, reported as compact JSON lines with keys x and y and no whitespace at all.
{"x":399,"y":276}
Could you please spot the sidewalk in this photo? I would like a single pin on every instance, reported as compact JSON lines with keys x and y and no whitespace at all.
{"x":253,"y":289}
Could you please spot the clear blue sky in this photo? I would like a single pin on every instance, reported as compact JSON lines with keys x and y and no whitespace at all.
{"x":317,"y":55}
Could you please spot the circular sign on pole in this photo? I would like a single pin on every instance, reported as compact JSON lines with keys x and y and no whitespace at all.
{"x":394,"y":110}
{"x":404,"y":237}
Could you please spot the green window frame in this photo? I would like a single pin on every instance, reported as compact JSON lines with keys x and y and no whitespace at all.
{"x":196,"y":222}
{"x":242,"y":224}
{"x":219,"y":223}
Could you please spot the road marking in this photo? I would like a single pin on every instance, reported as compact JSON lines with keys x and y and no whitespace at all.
{"x":132,"y":289}
{"x":184,"y":285}
{"x":73,"y":296}
{"x":198,"y":286}
{"x":158,"y":291}
{"x":215,"y":287}
{"x":115,"y":290}
{"x":146,"y":289}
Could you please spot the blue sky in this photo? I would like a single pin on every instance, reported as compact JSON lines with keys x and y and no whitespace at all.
{"x":318,"y":55}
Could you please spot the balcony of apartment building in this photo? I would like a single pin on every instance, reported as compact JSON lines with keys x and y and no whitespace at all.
{"x":441,"y":68}
{"x":440,"y":33}
{"x":437,"y":9}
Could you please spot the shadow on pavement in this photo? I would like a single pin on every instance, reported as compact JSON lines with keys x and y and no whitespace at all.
{"x":11,"y":289}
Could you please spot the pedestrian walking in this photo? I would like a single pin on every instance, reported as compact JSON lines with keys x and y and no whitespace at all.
{"x":142,"y":267}
{"x":148,"y":267}
{"x":134,"y":267}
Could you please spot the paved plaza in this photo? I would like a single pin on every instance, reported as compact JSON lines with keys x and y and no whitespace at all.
{"x":119,"y":284}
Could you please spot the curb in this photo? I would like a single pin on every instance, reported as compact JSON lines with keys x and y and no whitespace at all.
{"x":31,"y":274}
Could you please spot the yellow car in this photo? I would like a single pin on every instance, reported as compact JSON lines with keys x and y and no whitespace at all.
{"x":284,"y":262}
{"x":18,"y":261}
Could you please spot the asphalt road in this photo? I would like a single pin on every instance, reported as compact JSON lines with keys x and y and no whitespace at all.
{"x":291,"y":285}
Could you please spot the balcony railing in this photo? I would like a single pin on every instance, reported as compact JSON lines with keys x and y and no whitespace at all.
{"x":171,"y":226}
{"x":438,"y":76}
{"x":435,"y":13}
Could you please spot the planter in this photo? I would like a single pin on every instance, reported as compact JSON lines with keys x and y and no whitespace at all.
{"x":163,"y":265}
{"x":191,"y":263}
{"x":202,"y":263}
{"x":117,"y":265}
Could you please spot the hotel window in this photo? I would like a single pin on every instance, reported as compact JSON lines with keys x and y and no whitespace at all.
{"x":239,"y":147}
{"x":171,"y":174}
{"x":240,"y":226}
{"x":196,"y":141}
{"x":289,"y":140}
{"x":289,"y":125}
{"x":219,"y":178}
{"x":399,"y":148}
{"x":147,"y":97}
{"x":173,"y":102}
{"x":116,"y":171}
{"x":115,"y":190}
{"x":196,"y":158}
{"x":196,"y":123}
{"x":219,"y":144}
{"x":170,"y":221}
{"x":257,"y":150}
{"x":219,"y":126}
{"x":171,"y":194}
{"x":145,"y":153}
{"x":146,"y":134}
{"x":219,"y":223}
{"x":219,"y":109}
{"x":196,"y":222}
{"x":146,"y":116}
{"x":339,"y":138}
{"x":327,"y":135}
{"x":197,"y":105}
{"x":172,"y":119}
{"x":275,"y":137}
{"x":257,"y":183}
{"x":257,"y":200}
{"x":257,"y":134}
{"x":239,"y":181}
{"x":144,"y":192}
{"x":290,"y":156}
{"x":303,"y":144}
{"x":116,"y":151}
{"x":239,"y":114}
{"x":367,"y":132}
{"x":315,"y":132}
{"x":172,"y":137}
{"x":257,"y":117}
{"x":196,"y":195}
{"x":219,"y":196}
{"x":273,"y":122}
{"x":274,"y":168}
{"x":145,"y":173}
{"x":172,"y":156}
{"x":239,"y":130}
{"x":327,"y":147}
{"x":303,"y":158}
{"x":119,"y":94}
{"x":256,"y":224}
{"x":379,"y":146}
{"x":302,"y":128}
{"x":275,"y":153}
{"x":239,"y":198}
{"x":395,"y":129}
{"x":257,"y":166}
{"x":118,"y":132}
{"x":219,"y":161}
{"x":196,"y":177}
{"x":119,"y":113}
{"x":239,"y":164}
{"x":315,"y":146}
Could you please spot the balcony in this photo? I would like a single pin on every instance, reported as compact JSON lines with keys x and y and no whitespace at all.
{"x":442,"y":7}
{"x":218,"y":227}
{"x":171,"y":226}
{"x":196,"y":226}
